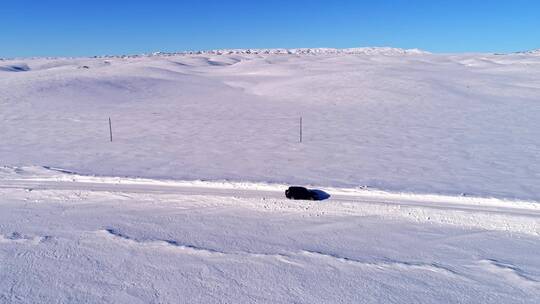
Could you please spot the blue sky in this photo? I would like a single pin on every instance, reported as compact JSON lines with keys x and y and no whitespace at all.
{"x":96,"y":27}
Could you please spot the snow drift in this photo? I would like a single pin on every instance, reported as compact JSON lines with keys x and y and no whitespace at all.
{"x":410,"y":122}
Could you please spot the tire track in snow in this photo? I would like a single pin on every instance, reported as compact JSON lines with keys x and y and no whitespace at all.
{"x":168,"y":244}
{"x":385,"y":264}
{"x":189,"y":249}
{"x":19,"y":238}
{"x":510,"y":273}
{"x":293,"y":258}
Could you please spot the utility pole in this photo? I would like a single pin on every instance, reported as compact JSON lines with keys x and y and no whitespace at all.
{"x":110,"y":128}
{"x":300,"y":129}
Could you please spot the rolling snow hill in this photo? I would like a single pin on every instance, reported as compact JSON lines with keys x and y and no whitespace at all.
{"x":389,"y":119}
{"x":431,"y":162}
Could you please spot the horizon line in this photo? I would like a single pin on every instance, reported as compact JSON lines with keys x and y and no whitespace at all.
{"x":219,"y":51}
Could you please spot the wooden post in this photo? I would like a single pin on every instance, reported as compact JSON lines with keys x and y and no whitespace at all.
{"x":300,"y":129}
{"x":110,"y":128}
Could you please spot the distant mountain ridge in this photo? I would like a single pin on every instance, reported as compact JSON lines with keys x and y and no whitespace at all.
{"x":388,"y":51}
{"x":303,"y":51}
{"x":531,"y":52}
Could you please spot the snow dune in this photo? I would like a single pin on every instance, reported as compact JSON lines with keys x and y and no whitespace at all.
{"x":14,"y":68}
{"x":394,"y":120}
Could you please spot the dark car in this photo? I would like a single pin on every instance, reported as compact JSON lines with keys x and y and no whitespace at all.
{"x":301,"y":193}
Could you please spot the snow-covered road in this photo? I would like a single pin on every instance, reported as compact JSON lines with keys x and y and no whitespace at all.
{"x":490,"y":213}
{"x":71,"y":238}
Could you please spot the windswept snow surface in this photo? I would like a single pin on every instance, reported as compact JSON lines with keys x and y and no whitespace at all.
{"x":389,"y":119}
{"x":68,"y":238}
{"x":431,"y":162}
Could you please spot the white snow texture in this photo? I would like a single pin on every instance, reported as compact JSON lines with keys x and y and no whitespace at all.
{"x":393,"y":120}
{"x":431,"y":161}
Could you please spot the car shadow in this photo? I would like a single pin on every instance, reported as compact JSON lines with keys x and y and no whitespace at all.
{"x":321,"y":195}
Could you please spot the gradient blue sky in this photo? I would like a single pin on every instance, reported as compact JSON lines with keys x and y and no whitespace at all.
{"x":96,"y":27}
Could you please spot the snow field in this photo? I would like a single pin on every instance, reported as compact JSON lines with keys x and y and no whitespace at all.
{"x":109,"y":245}
{"x":398,"y":121}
